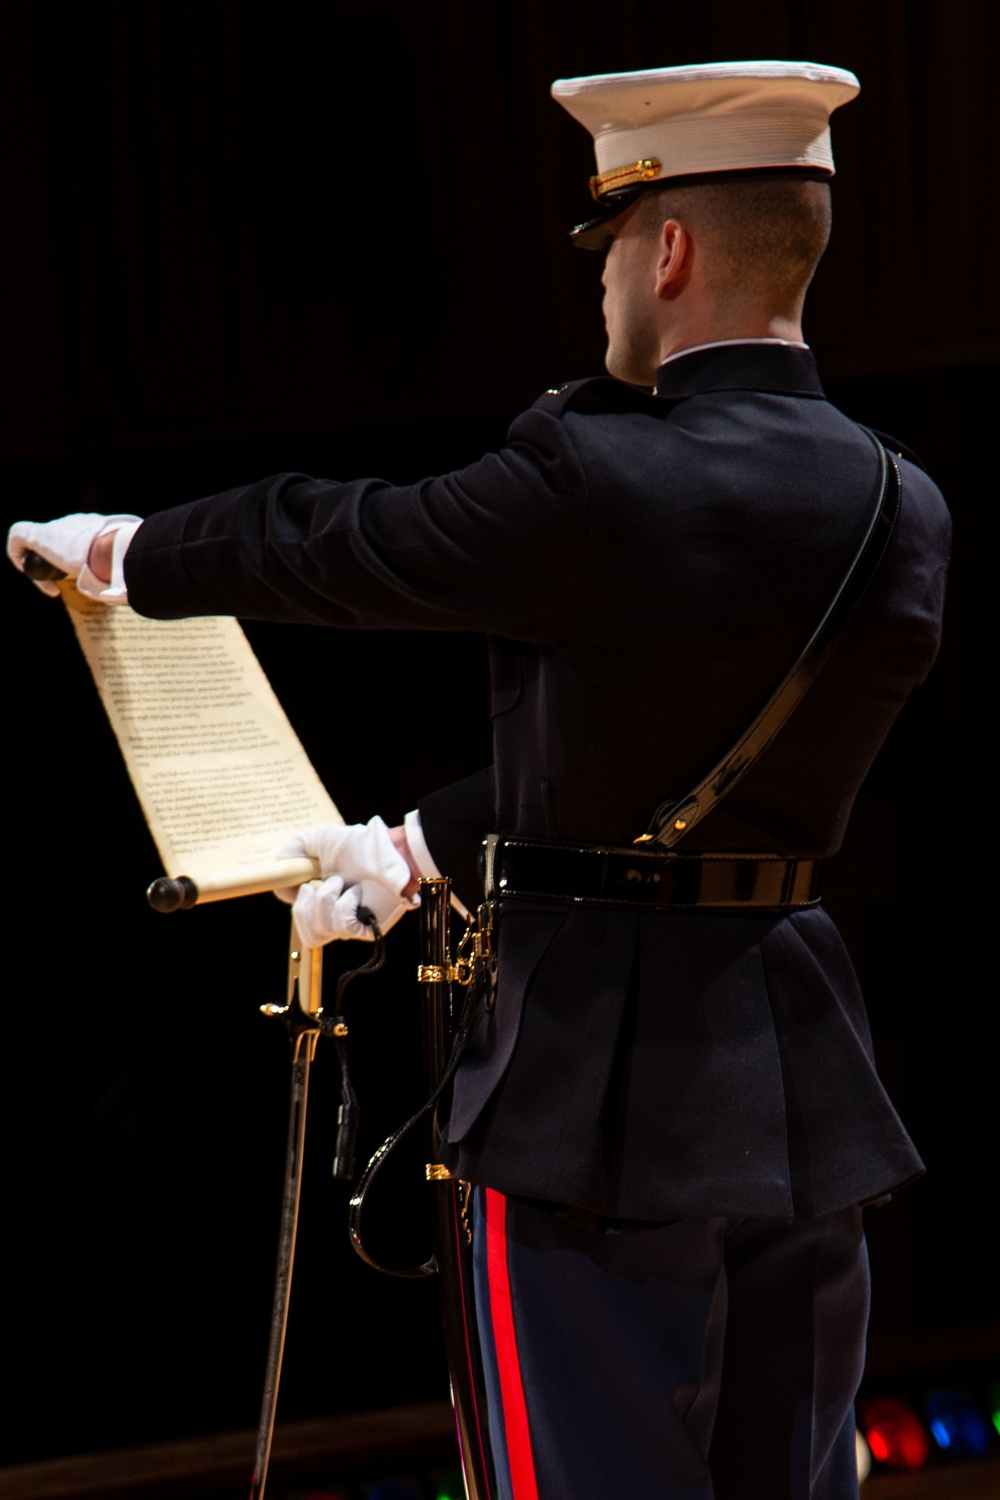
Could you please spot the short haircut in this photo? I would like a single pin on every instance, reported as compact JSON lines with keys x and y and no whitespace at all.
{"x":764,"y":235}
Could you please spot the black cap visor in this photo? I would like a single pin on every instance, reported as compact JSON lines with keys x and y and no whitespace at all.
{"x":595,"y":233}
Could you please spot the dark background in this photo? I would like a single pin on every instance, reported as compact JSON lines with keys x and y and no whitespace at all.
{"x":245,"y":237}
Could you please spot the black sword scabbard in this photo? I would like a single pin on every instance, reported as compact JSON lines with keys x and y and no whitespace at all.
{"x":453,"y":1250}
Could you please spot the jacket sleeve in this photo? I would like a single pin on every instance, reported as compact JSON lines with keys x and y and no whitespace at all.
{"x":455,"y":821}
{"x":494,"y":547}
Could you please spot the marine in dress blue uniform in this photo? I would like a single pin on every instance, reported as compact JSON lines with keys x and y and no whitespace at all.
{"x":670,"y":1118}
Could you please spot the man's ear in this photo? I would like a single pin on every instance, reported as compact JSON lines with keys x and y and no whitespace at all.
{"x":673,"y":268}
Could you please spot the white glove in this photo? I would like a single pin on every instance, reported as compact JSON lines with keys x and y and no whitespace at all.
{"x":65,"y":543}
{"x":361,"y":867}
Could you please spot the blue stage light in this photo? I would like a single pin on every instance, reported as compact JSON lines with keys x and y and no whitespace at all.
{"x":957,"y":1425}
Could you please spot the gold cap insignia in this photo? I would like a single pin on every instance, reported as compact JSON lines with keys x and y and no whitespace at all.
{"x":645,"y":170}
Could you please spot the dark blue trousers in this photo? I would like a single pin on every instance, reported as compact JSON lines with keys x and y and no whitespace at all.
{"x":709,"y":1359}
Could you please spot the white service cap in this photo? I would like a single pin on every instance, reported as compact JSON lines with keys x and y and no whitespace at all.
{"x":703,"y":120}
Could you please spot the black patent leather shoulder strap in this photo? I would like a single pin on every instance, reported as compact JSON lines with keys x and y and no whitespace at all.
{"x":674,"y":820}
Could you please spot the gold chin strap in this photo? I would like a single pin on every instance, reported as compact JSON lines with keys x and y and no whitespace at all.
{"x":620,"y":177}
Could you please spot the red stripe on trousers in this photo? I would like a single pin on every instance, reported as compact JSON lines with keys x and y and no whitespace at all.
{"x":515,"y":1410}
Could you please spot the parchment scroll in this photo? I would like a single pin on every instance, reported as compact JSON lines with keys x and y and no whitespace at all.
{"x":221,"y":775}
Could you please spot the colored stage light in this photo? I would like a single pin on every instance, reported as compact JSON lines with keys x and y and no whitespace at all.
{"x":995,"y":1406}
{"x":957,"y":1425}
{"x":862,"y":1455}
{"x":895,"y":1436}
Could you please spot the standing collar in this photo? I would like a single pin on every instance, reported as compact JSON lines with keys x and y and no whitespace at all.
{"x":732,"y":343}
{"x":741,"y":364}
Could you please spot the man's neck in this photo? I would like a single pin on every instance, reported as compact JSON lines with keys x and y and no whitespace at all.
{"x":787,"y":329}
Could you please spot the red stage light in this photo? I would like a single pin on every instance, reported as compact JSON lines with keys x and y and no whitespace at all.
{"x":896,"y":1437}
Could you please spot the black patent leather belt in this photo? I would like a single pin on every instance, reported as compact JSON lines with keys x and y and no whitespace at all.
{"x":635,"y":877}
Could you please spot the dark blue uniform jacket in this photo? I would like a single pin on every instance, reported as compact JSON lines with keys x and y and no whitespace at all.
{"x":647,"y":568}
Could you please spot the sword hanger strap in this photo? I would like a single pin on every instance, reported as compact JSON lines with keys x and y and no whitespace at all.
{"x":348,"y":1111}
{"x":472,"y":969}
